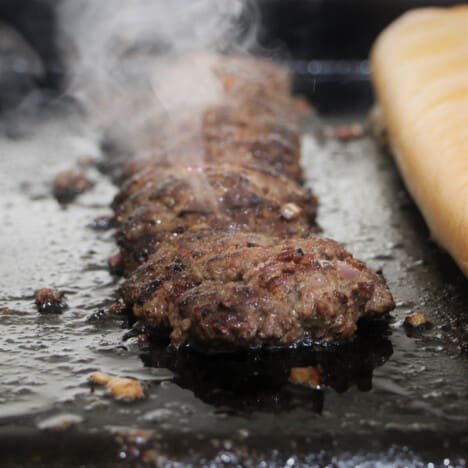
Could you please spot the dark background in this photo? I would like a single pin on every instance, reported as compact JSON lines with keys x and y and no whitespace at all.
{"x":327,"y":42}
{"x":332,"y":29}
{"x":335,"y":34}
{"x":308,"y":29}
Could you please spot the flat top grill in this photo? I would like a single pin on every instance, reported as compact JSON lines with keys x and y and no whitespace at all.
{"x":387,"y":396}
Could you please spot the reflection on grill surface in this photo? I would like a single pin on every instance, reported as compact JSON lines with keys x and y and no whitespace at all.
{"x":261,"y":380}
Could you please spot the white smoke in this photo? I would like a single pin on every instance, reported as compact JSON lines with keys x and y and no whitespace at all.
{"x":136,"y":63}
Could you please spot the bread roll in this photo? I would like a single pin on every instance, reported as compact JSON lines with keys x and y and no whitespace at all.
{"x":420,"y":74}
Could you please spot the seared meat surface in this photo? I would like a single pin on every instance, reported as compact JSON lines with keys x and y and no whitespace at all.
{"x":258,"y":131}
{"x":234,"y":135}
{"x":252,"y":119}
{"x":157,"y":204}
{"x":233,"y":289}
{"x":217,"y":237}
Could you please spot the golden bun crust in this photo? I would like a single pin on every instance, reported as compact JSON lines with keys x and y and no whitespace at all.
{"x":420,"y":75}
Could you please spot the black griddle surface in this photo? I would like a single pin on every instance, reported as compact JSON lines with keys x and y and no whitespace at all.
{"x":387,"y":398}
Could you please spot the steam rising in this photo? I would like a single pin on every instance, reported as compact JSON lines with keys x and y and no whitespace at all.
{"x":142,"y":68}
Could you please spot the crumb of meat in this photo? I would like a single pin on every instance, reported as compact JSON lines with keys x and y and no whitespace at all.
{"x":142,"y":338}
{"x":49,"y":301}
{"x":116,"y":308}
{"x":290,"y":211}
{"x":416,"y":319}
{"x":69,"y":184}
{"x":309,"y":376}
{"x":121,"y":388}
{"x":345,"y":132}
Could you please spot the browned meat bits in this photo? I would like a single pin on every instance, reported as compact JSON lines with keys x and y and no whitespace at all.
{"x":416,"y":319}
{"x":222,"y":252}
{"x":121,"y":388}
{"x":50,"y":301}
{"x":69,"y":184}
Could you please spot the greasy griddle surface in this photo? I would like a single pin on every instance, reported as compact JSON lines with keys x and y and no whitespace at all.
{"x":387,"y":396}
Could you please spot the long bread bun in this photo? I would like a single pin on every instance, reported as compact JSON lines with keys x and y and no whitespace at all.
{"x":420,"y":75}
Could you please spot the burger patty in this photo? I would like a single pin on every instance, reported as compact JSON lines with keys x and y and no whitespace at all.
{"x":229,"y":289}
{"x":157,"y":205}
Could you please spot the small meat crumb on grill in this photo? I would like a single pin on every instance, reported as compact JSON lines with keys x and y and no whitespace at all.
{"x":120,"y":388}
{"x":50,"y":301}
{"x":416,"y":320}
{"x":142,"y":338}
{"x":309,"y":376}
{"x":69,"y":184}
{"x":290,"y":211}
{"x":116,"y":308}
